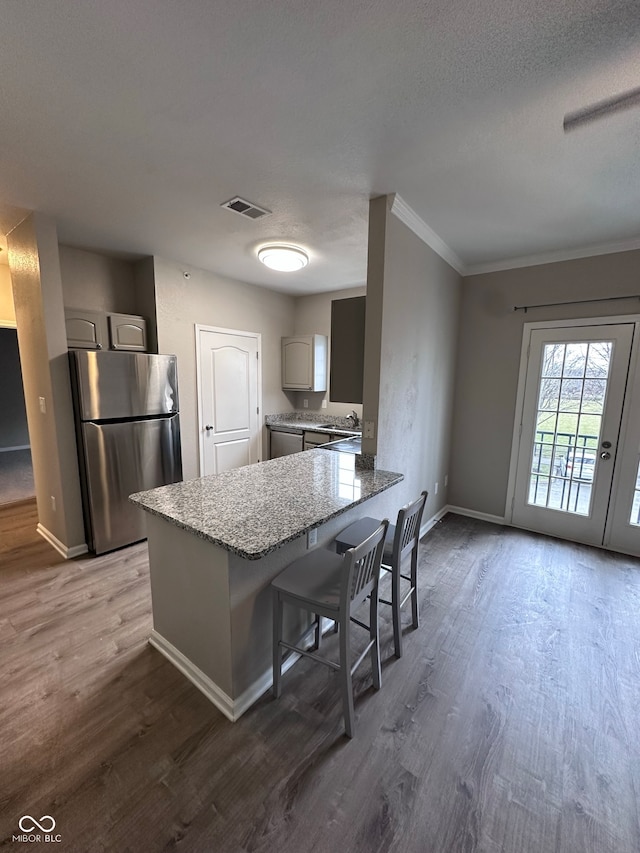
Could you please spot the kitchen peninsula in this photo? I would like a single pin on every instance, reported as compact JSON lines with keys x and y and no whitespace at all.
{"x":217,"y":542}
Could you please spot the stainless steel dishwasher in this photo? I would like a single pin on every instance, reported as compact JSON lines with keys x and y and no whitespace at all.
{"x":284,"y":441}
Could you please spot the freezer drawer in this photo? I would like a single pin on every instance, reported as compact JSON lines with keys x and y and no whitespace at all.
{"x":119,"y":459}
{"x":121,"y":385}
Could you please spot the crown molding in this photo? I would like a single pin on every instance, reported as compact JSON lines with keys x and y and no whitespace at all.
{"x":406,"y":214}
{"x":553,"y":257}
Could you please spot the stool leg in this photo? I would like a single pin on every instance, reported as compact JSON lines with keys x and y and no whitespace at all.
{"x":277,"y":636}
{"x":346,"y":684}
{"x":318,"y":632}
{"x":395,"y":608}
{"x":414,"y":584}
{"x":374,"y":634}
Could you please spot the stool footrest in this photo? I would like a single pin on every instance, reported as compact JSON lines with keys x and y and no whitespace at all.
{"x":311,"y":655}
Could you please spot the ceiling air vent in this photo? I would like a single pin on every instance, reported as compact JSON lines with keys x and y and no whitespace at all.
{"x":245,"y":208}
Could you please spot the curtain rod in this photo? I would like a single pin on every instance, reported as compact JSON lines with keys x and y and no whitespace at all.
{"x":525,"y":308}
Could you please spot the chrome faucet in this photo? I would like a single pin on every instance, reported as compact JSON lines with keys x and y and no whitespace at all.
{"x":353,"y":417}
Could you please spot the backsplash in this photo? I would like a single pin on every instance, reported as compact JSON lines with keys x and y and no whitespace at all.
{"x":306,"y":416}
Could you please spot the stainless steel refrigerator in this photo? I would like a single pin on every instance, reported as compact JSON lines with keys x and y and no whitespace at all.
{"x":128,"y":428}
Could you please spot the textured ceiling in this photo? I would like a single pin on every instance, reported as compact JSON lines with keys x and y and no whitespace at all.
{"x":131,"y":122}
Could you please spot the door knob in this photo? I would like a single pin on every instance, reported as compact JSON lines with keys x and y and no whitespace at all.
{"x":208,"y":427}
{"x":605,"y":455}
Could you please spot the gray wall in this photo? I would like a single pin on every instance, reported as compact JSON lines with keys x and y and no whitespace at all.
{"x":37,"y":292}
{"x":419,"y":294}
{"x":313,"y":317}
{"x":489,"y":359}
{"x":92,"y":280}
{"x":210,"y":300}
{"x":13,"y":417}
{"x":111,"y":285}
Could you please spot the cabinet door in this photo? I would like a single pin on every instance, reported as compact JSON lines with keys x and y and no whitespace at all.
{"x":304,"y":363}
{"x":347,"y":349}
{"x":297,"y":363}
{"x":86,"y":329}
{"x":128,"y":332}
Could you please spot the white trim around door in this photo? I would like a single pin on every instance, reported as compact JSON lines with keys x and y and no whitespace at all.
{"x":620,"y":531}
{"x":242,"y":441}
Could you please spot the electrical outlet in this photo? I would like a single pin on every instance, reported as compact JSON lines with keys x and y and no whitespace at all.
{"x":324,"y":404}
{"x":312,"y":537}
{"x":305,"y":403}
{"x":435,"y":491}
{"x":369,"y":429}
{"x":43,"y":405}
{"x":446,"y":480}
{"x":53,"y":503}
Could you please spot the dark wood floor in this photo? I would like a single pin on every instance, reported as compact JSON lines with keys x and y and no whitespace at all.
{"x":511,"y":724}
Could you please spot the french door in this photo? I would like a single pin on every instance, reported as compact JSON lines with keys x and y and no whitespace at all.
{"x":579,"y":437}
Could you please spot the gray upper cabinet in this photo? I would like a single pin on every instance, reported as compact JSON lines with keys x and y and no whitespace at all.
{"x":347,"y":349}
{"x":85,"y":329}
{"x":128,"y":332}
{"x":304,"y":363}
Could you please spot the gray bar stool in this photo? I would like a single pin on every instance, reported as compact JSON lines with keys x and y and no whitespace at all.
{"x":401,"y":541}
{"x":327,"y":584}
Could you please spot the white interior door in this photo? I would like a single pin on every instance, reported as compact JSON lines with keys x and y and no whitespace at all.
{"x":229,"y":405}
{"x":573,"y":400}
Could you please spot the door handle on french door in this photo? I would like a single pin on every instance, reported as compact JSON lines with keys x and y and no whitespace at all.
{"x":605,"y":455}
{"x":208,"y":427}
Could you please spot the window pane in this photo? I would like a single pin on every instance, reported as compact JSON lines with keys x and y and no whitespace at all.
{"x":575,"y":360}
{"x":589,"y":430}
{"x":553,"y":359}
{"x":571,"y":395}
{"x":594,"y":393}
{"x":567,"y":428}
{"x":549,"y":395}
{"x":599,"y":359}
{"x":538,"y":490}
{"x":546,"y":426}
{"x":568,"y":425}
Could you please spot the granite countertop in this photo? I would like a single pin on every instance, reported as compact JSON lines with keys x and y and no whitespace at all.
{"x":345,"y":445}
{"x":251,"y":511}
{"x":300,"y":422}
{"x":304,"y":426}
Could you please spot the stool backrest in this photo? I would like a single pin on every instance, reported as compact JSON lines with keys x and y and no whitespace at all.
{"x":362,"y":568}
{"x":408,"y":528}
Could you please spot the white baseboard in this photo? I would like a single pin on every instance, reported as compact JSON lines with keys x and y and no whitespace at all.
{"x":472,"y":513}
{"x":61,"y":548}
{"x":427,"y":525}
{"x":17,"y":447}
{"x":233,"y":709}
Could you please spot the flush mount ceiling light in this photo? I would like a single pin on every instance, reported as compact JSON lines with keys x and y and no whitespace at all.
{"x":283,"y":258}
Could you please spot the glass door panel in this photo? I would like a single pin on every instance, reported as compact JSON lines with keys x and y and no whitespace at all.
{"x":623,"y":524}
{"x":574,"y":392}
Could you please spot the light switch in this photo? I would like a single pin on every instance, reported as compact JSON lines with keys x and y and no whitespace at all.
{"x":43,"y":405}
{"x":369,"y":429}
